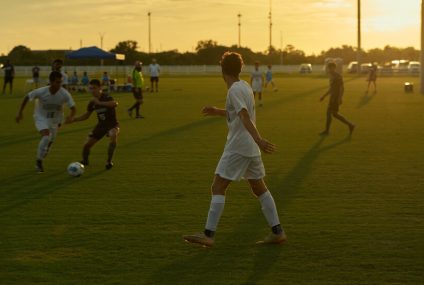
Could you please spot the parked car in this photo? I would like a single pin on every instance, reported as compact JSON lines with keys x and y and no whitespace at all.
{"x":414,"y":67}
{"x":365,"y":67}
{"x":352,"y":67}
{"x":400,"y":65}
{"x":305,"y":68}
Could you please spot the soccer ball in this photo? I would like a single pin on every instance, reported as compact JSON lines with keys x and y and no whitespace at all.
{"x":75,"y":169}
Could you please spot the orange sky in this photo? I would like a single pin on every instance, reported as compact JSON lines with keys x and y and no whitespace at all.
{"x":179,"y":24}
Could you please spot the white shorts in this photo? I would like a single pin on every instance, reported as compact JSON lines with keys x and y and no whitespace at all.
{"x":257,"y":86}
{"x":233,"y":166}
{"x":45,"y":124}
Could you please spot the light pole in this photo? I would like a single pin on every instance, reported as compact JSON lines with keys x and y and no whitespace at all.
{"x":358,"y":52}
{"x":422,"y":49}
{"x":150,"y":39}
{"x":101,"y":39}
{"x":239,"y":29}
{"x":270,"y":25}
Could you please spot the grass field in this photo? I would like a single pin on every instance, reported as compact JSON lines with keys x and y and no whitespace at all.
{"x":352,"y":208}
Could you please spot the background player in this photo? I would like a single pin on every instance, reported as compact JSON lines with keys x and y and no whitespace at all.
{"x":104,"y":105}
{"x":257,"y":81}
{"x":48,"y":113}
{"x":154,"y":70}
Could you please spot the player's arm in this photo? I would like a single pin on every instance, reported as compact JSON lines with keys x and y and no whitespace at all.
{"x":214,"y":111}
{"x":70,"y":118}
{"x":325,"y":95}
{"x":83,"y":117}
{"x":19,"y":115}
{"x":263,"y":144}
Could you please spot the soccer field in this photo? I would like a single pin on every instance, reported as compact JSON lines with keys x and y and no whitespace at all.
{"x":352,"y":208}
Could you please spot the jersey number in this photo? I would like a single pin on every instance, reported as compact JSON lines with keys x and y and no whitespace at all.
{"x":102,"y":117}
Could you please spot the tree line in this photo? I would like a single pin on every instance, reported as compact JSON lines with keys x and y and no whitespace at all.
{"x":208,"y":52}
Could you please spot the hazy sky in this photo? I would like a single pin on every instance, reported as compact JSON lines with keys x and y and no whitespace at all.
{"x":310,"y":25}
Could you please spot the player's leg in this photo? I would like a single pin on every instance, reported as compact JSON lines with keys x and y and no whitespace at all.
{"x":4,"y":85}
{"x":113,"y":135}
{"x":11,"y":86}
{"x":269,"y":209}
{"x":152,"y":80}
{"x":216,"y":208}
{"x":343,"y":120}
{"x":260,"y":97}
{"x":91,"y":141}
{"x":157,"y":83}
{"x":42,"y":148}
{"x":327,"y":123}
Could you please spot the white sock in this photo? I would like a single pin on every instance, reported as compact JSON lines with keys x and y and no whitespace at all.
{"x":215,"y":212}
{"x":43,"y":147}
{"x":269,"y":209}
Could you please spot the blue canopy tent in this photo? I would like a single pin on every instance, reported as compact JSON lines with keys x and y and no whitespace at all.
{"x":94,"y":52}
{"x":91,"y":52}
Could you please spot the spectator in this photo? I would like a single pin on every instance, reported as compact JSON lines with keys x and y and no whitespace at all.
{"x":9,"y":74}
{"x":36,"y":76}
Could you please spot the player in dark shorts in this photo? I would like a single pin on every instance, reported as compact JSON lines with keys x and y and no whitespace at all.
{"x":372,"y":77}
{"x":104,"y":105}
{"x":335,"y":91}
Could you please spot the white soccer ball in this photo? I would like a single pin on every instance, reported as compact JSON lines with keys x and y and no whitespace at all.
{"x":75,"y":169}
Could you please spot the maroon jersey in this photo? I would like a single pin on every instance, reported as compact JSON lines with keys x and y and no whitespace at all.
{"x":106,"y":116}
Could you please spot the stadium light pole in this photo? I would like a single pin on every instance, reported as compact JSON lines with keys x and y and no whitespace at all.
{"x":150,"y":39}
{"x":270,"y":25}
{"x":358,"y":52}
{"x":101,"y":39}
{"x":239,"y":30}
{"x":422,"y":49}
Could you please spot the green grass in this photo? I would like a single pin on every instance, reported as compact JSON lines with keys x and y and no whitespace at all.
{"x":352,"y":209}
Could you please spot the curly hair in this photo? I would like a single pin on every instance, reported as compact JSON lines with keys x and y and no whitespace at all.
{"x":231,"y":63}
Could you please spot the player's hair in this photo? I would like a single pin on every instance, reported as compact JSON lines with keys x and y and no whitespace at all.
{"x":58,"y":60}
{"x":231,"y":63}
{"x":331,"y":65}
{"x":55,"y":75}
{"x":95,"y":82}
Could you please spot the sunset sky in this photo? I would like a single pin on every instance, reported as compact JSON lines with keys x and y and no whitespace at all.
{"x":310,"y":25}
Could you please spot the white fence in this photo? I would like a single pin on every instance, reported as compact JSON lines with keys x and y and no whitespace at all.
{"x":122,"y":71}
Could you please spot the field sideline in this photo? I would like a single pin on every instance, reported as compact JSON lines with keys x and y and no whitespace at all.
{"x":352,"y":208}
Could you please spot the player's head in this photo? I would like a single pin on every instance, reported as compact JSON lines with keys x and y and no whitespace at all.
{"x":154,"y":60}
{"x":331,"y":67}
{"x":55,"y":79}
{"x":137,"y":65}
{"x":95,"y":86}
{"x":57,"y":64}
{"x":269,"y":66}
{"x":231,"y":64}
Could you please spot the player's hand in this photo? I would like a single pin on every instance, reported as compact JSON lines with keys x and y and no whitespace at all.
{"x":267,"y":146}
{"x":209,"y":111}
{"x":18,"y":118}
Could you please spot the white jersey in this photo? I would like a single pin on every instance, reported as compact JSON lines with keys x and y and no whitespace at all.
{"x":154,"y":69}
{"x":239,"y":140}
{"x":257,"y":76}
{"x":65,"y":80}
{"x":50,"y":106}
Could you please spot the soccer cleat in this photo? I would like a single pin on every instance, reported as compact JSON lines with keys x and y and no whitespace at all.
{"x":273,"y":239}
{"x":351,"y":128}
{"x":39,"y":166}
{"x":199,"y":238}
{"x":109,"y":165}
{"x":129,"y":113}
{"x":84,"y":162}
{"x":139,"y":117}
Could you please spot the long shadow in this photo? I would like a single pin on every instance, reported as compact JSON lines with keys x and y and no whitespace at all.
{"x":202,"y":260}
{"x":365,"y":99}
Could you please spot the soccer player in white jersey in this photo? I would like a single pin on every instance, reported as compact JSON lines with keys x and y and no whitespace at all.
{"x":48,"y":113}
{"x":154,"y":70}
{"x":241,"y":157}
{"x":257,"y":81}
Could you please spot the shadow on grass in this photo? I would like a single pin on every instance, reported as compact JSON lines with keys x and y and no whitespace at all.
{"x":202,"y":265}
{"x":365,"y":99}
{"x":24,"y":188}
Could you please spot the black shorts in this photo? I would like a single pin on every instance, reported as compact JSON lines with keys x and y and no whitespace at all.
{"x":154,"y":79}
{"x":8,"y":80}
{"x":138,"y":94}
{"x":100,"y":131}
{"x":333,"y":104}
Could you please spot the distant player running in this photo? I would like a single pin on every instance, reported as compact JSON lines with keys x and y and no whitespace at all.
{"x":257,"y":81}
{"x":372,"y":77}
{"x":138,"y":84}
{"x":48,"y":114}
{"x":104,"y":105}
{"x":241,"y":157}
{"x":335,"y":91}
